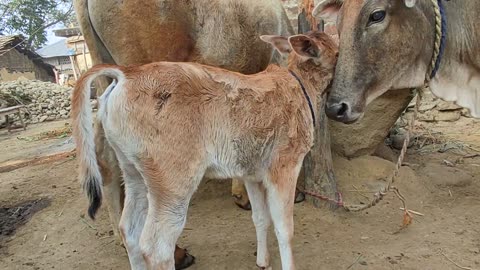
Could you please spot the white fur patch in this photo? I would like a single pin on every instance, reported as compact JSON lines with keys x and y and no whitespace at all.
{"x":410,"y":3}
{"x":462,"y":87}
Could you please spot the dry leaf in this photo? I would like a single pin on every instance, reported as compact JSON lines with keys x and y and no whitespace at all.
{"x":407,"y":219}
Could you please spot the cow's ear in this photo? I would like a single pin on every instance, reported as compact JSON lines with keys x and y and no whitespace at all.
{"x":278,"y":42}
{"x":327,"y":10}
{"x":304,"y":46}
{"x":410,"y":3}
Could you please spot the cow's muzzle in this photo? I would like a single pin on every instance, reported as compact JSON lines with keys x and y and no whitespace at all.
{"x":341,"y":112}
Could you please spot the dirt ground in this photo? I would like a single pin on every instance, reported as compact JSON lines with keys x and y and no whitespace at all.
{"x":442,"y":181}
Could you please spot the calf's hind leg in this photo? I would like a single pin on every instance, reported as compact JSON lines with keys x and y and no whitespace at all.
{"x":134,"y":212}
{"x":115,"y":192}
{"x":169,"y":193}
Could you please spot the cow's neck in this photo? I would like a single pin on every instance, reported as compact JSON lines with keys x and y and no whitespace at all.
{"x":458,"y":78}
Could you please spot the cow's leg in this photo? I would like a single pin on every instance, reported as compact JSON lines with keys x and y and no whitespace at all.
{"x":111,"y":175}
{"x":280,"y":198}
{"x":261,"y":219}
{"x":239,"y":194}
{"x":114,"y":197}
{"x":182,"y":258}
{"x":169,"y":193}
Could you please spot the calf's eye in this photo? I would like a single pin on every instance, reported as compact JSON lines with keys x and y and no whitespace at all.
{"x":376,"y":17}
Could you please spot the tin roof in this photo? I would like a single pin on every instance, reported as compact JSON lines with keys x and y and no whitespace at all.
{"x":56,"y":49}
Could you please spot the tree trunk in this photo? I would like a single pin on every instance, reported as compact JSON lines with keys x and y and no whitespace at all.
{"x":318,"y":174}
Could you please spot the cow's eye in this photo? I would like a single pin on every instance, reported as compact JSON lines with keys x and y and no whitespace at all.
{"x":377,"y":16}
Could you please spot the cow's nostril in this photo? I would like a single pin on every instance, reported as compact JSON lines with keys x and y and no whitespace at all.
{"x":338,"y":111}
{"x":342,"y":110}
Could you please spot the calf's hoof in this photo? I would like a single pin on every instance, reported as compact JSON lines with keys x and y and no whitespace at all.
{"x":183,"y":259}
{"x":242,"y":202}
{"x":299,"y":196}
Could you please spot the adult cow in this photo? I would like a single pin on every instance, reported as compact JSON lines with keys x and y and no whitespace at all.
{"x":221,"y":33}
{"x":389,"y":44}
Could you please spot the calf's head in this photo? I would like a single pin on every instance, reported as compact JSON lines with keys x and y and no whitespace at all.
{"x":310,"y":52}
{"x":384,"y":44}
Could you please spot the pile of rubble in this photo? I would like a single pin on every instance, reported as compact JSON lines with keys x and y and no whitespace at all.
{"x":432,"y":111}
{"x":44,"y":101}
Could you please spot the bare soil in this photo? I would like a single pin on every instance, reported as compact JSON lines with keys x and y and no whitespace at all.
{"x":222,"y":236}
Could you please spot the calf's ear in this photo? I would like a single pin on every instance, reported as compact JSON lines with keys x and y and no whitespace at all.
{"x":327,"y":10}
{"x":410,"y":3}
{"x":278,"y":42}
{"x":304,"y":46}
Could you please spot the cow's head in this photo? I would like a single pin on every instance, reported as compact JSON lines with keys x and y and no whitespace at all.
{"x":382,"y":47}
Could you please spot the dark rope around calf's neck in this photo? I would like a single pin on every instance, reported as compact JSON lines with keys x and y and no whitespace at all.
{"x":307,"y":97}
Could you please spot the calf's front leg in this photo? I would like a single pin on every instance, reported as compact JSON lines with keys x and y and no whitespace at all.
{"x":281,"y":185}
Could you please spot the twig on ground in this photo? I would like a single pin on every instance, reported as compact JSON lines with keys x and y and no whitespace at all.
{"x":450,"y":193}
{"x":413,"y":212}
{"x":448,"y":163}
{"x":44,"y":237}
{"x":108,"y":243}
{"x":456,"y":264}
{"x":63,"y":208}
{"x":88,"y":224}
{"x":355,"y":262}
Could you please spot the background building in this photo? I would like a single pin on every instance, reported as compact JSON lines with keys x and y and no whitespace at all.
{"x":17,"y":61}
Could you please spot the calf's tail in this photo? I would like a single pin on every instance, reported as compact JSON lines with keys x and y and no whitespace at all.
{"x":82,"y":120}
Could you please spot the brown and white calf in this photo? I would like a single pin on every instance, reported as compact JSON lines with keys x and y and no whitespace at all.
{"x":388,"y":44}
{"x":172,"y":123}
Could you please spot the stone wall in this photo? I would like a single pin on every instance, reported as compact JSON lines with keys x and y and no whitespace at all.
{"x":45,"y":101}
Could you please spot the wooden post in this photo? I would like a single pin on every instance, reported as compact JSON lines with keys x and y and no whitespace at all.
{"x":308,"y":6}
{"x":318,"y":174}
{"x":55,"y":71}
{"x":21,"y":119}
{"x":72,"y":61}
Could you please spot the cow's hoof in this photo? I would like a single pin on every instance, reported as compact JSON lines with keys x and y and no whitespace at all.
{"x":242,"y":203}
{"x":187,"y":261}
{"x":299,"y":196}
